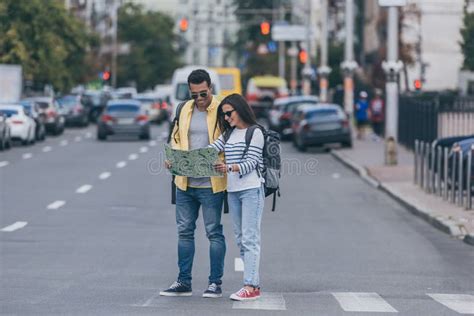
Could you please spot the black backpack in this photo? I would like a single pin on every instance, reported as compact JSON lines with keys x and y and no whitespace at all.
{"x":172,"y":125}
{"x":271,"y":159}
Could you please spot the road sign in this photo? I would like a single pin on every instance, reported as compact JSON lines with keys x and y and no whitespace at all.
{"x":392,"y":3}
{"x":289,"y":33}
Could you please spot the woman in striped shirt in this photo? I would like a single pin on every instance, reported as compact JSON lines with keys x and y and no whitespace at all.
{"x":244,"y":185}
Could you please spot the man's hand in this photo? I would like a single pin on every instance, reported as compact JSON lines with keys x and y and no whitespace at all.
{"x":168,"y":164}
{"x":220,"y":167}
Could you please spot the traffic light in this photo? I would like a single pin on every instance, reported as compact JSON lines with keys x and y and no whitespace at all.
{"x":265,"y":28}
{"x":106,"y":75}
{"x":303,"y":56}
{"x":183,"y":25}
{"x":417,"y":84}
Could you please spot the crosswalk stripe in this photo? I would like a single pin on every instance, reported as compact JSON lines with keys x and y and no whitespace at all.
{"x":238,"y":264}
{"x":267,"y":301}
{"x":363,"y":302}
{"x":461,"y":303}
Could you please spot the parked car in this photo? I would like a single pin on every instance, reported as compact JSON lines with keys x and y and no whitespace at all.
{"x":262,"y":91}
{"x":279,"y":117}
{"x":5,"y":133}
{"x":316,"y":125}
{"x":123,"y":117}
{"x":157,"y":108}
{"x":95,"y":101}
{"x":32,"y":108}
{"x":22,"y":126}
{"x":49,"y":107}
{"x":76,"y":113}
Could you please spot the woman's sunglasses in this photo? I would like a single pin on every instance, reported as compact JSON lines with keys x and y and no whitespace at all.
{"x":203,"y":94}
{"x":228,"y":113}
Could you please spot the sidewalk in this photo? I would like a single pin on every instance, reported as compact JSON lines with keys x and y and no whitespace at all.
{"x":367,"y":159}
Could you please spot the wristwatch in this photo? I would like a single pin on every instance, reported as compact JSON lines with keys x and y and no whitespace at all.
{"x":230,"y":168}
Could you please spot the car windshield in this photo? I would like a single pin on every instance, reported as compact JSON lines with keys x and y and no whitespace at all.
{"x":9,"y":112}
{"x":43,"y":105}
{"x":123,"y":108}
{"x":68,"y":101}
{"x":182,"y":92}
{"x":26,"y":104}
{"x":292,"y":105}
{"x":321,"y":114}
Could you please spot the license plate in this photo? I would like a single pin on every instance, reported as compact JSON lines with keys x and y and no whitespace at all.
{"x":125,"y":121}
{"x":326,"y":127}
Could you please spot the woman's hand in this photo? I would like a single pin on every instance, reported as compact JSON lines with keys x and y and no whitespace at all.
{"x":220,"y":167}
{"x":168,"y":164}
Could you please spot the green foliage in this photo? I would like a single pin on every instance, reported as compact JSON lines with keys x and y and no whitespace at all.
{"x":467,"y":44}
{"x":50,"y":44}
{"x":152,"y":57}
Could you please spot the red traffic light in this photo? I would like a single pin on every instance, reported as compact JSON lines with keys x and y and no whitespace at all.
{"x":265,"y":28}
{"x":183,"y":25}
{"x":418,"y":84}
{"x":106,"y":75}
{"x":303,"y":56}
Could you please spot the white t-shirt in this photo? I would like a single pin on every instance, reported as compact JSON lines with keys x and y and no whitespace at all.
{"x":247,"y":177}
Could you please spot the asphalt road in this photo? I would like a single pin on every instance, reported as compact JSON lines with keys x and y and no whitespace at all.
{"x":87,"y":228}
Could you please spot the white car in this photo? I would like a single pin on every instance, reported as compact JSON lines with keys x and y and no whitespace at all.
{"x":22,"y":126}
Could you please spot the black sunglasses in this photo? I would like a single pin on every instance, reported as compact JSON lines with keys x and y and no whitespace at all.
{"x":203,"y":94}
{"x":228,"y":113}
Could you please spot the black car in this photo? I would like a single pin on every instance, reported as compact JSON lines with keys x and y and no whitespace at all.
{"x":75,"y":112}
{"x":32,"y":108}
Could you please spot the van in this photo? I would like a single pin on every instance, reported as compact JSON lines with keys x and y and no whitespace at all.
{"x":180,"y":89}
{"x":263,"y":90}
{"x":230,"y":80}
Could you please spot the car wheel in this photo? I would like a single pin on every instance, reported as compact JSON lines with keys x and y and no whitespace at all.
{"x":347,"y":144}
{"x":101,"y":136}
{"x":301,"y":147}
{"x":3,"y":143}
{"x":145,"y":136}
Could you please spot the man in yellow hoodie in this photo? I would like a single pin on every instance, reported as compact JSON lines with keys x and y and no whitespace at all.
{"x":196,"y":128}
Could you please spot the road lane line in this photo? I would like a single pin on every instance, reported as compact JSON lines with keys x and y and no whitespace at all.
{"x":121,"y":164}
{"x":238,"y":264}
{"x":152,"y":143}
{"x":64,"y":142}
{"x":363,"y":302}
{"x":15,"y":226}
{"x":3,"y":163}
{"x":27,"y":155}
{"x":267,"y":301}
{"x":104,"y":175}
{"x":47,"y":149}
{"x":461,"y":303}
{"x":84,"y":188}
{"x":77,"y":138}
{"x":56,"y":204}
{"x":143,"y":150}
{"x":133,"y":157}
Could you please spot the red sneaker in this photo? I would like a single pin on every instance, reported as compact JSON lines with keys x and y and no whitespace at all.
{"x":244,"y":295}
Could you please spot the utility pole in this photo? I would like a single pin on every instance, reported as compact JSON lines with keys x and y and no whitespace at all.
{"x":324,"y":69}
{"x":114,"y":42}
{"x":392,"y":68}
{"x":307,"y":67}
{"x":281,"y":49}
{"x":349,"y":64}
{"x":294,"y":63}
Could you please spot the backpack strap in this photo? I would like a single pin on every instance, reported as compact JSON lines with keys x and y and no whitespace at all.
{"x":249,"y":135}
{"x":175,"y":122}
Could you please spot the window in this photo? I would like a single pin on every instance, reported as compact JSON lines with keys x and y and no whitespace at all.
{"x":123,"y":108}
{"x":182,"y":92}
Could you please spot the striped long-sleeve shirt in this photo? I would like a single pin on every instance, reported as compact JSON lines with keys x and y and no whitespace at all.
{"x":247,"y":177}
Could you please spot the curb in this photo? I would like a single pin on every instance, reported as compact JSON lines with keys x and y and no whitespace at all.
{"x":447,"y":226}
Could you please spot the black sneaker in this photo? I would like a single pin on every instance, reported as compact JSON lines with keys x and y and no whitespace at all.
{"x":178,"y":289}
{"x":213,"y":291}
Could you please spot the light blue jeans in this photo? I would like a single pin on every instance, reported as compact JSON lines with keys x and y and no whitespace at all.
{"x":246,"y":208}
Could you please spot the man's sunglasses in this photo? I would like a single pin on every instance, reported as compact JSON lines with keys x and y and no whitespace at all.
{"x":228,"y":113}
{"x":203,"y":94}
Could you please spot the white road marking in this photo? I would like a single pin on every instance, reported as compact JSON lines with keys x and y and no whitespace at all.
{"x":336,"y":176}
{"x":238,"y":264}
{"x":47,"y":149}
{"x":84,"y":188}
{"x":267,"y":301}
{"x":152,"y":143}
{"x":104,"y":175}
{"x":15,"y":226}
{"x":64,"y":142}
{"x":27,"y":155}
{"x":143,"y":150}
{"x":78,"y":138}
{"x":133,"y":157}
{"x":121,"y":164}
{"x":55,"y":205}
{"x":363,"y":302}
{"x":3,"y":163}
{"x":461,"y":303}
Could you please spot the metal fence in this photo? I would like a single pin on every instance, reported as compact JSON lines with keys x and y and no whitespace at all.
{"x":427,"y":117}
{"x":446,"y":172}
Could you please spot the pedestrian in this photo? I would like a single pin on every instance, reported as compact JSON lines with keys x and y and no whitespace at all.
{"x":246,"y":193}
{"x":377,"y":113}
{"x":196,"y":129}
{"x":362,"y":114}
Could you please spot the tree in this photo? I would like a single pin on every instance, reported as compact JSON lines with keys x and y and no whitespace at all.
{"x":50,"y":44}
{"x":152,"y":58}
{"x":467,"y":33}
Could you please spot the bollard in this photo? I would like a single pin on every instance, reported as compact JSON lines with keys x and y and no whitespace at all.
{"x":439,"y":152}
{"x":427,"y":168}
{"x":422,"y":164}
{"x":460,"y":180}
{"x":469,"y":177}
{"x":415,"y":171}
{"x":445,"y":173}
{"x":453,"y":179}
{"x":432,"y":168}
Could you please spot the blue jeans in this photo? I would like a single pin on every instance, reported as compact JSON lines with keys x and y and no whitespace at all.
{"x":187,"y":212}
{"x":246,"y":208}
